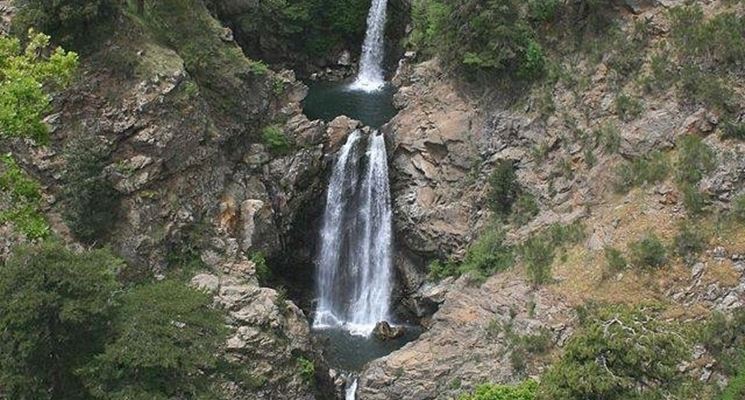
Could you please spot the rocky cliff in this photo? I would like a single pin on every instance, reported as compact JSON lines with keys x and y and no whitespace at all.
{"x":448,"y":139}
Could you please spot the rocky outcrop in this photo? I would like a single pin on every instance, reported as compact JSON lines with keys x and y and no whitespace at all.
{"x":268,"y":335}
{"x":469,"y":341}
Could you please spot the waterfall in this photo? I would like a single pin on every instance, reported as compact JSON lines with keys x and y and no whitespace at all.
{"x":370,"y":77}
{"x":354,"y":263}
{"x":351,"y":392}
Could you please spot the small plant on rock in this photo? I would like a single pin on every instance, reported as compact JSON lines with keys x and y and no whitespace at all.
{"x":648,"y":252}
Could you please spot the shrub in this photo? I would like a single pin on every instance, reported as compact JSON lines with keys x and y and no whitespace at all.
{"x":599,"y":363}
{"x":524,"y":391}
{"x":724,"y":338}
{"x":647,"y":170}
{"x":167,"y":336}
{"x":732,"y":129}
{"x":487,"y":256}
{"x":690,"y":241}
{"x":695,"y":159}
{"x":55,"y":316}
{"x":538,"y":254}
{"x":275,"y":139}
{"x":628,"y":107}
{"x":503,"y":188}
{"x":614,"y":259}
{"x":648,"y":252}
{"x":544,"y":10}
{"x":738,"y":208}
{"x":609,"y":137}
{"x":263,"y":272}
{"x":70,"y":21}
{"x":25,"y":198}
{"x":26,"y":76}
{"x":439,"y":270}
{"x":693,"y":199}
{"x":90,"y":200}
{"x":524,"y":209}
{"x":307,"y":369}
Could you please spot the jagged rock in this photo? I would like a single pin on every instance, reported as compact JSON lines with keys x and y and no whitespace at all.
{"x":383,"y":331}
{"x":338,"y":130}
{"x":460,"y":346}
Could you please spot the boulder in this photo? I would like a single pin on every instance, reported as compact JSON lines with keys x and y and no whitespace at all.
{"x":384,"y":331}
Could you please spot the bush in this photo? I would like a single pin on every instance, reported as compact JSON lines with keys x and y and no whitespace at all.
{"x":26,"y":76}
{"x":492,"y":38}
{"x":70,"y":21}
{"x":538,"y":254}
{"x":599,"y":363}
{"x":628,"y":107}
{"x":733,"y":129}
{"x":91,"y":202}
{"x":275,"y":139}
{"x":689,"y":242}
{"x":738,"y":208}
{"x":693,"y":199}
{"x":503,"y":188}
{"x":524,"y":209}
{"x":167,"y":338}
{"x":487,"y":256}
{"x":24,"y":195}
{"x":648,"y":252}
{"x":307,"y":369}
{"x":609,"y":137}
{"x":615,"y":260}
{"x":524,"y":391}
{"x":724,"y":338}
{"x":695,"y":159}
{"x":641,"y":171}
{"x":439,"y":270}
{"x":54,"y":317}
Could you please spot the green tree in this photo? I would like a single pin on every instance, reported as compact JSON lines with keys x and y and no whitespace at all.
{"x":67,"y":20}
{"x":167,"y":337}
{"x":53,"y":318}
{"x":619,"y":354}
{"x":523,"y":391}
{"x":503,"y":188}
{"x":91,"y":202}
{"x":26,"y":76}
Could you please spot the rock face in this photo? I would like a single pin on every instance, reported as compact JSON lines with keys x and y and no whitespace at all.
{"x":465,"y":343}
{"x":268,"y":333}
{"x":384,"y":331}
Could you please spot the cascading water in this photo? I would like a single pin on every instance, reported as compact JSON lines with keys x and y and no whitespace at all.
{"x":370,"y":77}
{"x":354,"y":264}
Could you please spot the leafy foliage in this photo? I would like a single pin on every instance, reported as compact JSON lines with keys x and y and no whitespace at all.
{"x":26,"y":75}
{"x":599,"y":362}
{"x":615,"y":259}
{"x":539,"y":251}
{"x":91,"y":202}
{"x":690,"y":241}
{"x":485,"y":257}
{"x":307,"y":369}
{"x":648,"y":252}
{"x":491,"y":38}
{"x":67,"y":20}
{"x":640,"y":171}
{"x":275,"y":139}
{"x":524,"y":391}
{"x":53,"y":318}
{"x":24,"y":196}
{"x":167,"y":335}
{"x":503,"y":188}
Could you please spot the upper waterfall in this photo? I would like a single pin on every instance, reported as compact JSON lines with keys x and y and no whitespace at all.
{"x":354,"y":265}
{"x":370,"y":77}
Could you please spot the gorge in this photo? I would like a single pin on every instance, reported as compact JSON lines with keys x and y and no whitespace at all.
{"x":224,"y":198}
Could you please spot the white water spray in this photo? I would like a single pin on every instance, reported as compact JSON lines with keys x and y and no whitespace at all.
{"x":354,"y":264}
{"x":370,"y":77}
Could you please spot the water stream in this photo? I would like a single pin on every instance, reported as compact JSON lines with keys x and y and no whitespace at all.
{"x":370,"y":77}
{"x":354,"y":278}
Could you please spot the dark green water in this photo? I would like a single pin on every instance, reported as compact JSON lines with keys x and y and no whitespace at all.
{"x":328,"y":100}
{"x":350,"y":353}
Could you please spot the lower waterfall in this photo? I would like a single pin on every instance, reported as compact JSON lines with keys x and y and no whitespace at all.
{"x":354,"y":265}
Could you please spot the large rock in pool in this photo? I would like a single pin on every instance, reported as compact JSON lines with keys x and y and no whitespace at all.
{"x":384,"y":331}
